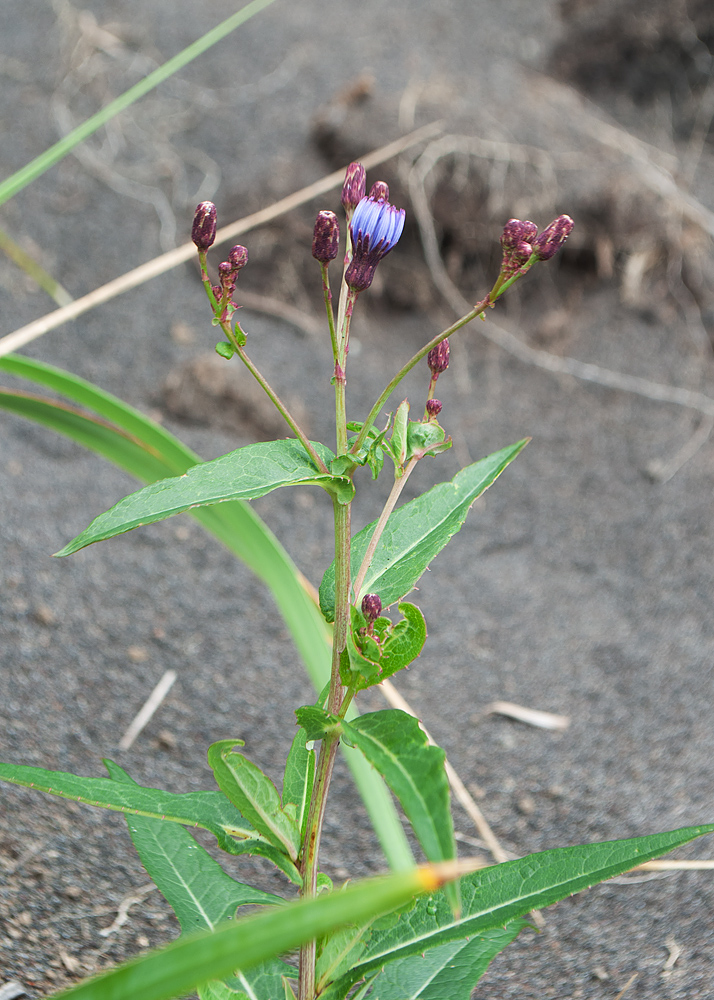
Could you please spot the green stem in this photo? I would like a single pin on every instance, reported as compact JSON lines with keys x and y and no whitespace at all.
{"x":399,"y":484}
{"x":328,"y":749}
{"x":477,"y":310}
{"x":328,"y":309}
{"x":274,"y":398}
{"x":207,"y":281}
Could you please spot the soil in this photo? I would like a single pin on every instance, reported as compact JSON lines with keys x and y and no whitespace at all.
{"x":581,"y":583}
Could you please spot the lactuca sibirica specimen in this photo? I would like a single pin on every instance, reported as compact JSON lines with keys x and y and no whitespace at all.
{"x":403,"y":934}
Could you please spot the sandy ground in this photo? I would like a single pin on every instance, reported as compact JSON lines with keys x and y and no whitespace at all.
{"x":581,"y":584}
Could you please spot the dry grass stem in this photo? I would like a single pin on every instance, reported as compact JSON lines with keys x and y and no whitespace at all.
{"x":531,"y":716}
{"x":151,"y":705}
{"x":134,"y":897}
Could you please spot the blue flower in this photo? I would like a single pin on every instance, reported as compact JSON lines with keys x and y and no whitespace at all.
{"x":375,"y":228}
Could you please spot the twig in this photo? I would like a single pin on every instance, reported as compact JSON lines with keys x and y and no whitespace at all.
{"x":627,"y":985}
{"x":146,"y":713}
{"x":674,"y":953}
{"x":167,"y":261}
{"x":531,"y":716}
{"x":136,"y":896}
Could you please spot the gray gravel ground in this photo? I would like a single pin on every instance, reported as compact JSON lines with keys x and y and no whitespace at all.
{"x":579,"y":585}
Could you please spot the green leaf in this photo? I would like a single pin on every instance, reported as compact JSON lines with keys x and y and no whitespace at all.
{"x":210,"y":810}
{"x":198,"y":890}
{"x":244,"y":474}
{"x":317,"y":722}
{"x":239,"y":528}
{"x":416,"y":532}
{"x":450,"y":970}
{"x":299,"y":778}
{"x":496,"y":895}
{"x":195,"y":959}
{"x":399,"y":645}
{"x":397,"y":747}
{"x":425,"y":437}
{"x":255,"y":795}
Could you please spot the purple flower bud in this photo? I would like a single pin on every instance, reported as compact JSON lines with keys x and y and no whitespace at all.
{"x":516,"y":242}
{"x":217,"y":291}
{"x":379,"y":191}
{"x":371,"y":607}
{"x":433,"y":408}
{"x":375,"y":228}
{"x":547,"y":244}
{"x":203,"y":231}
{"x":354,"y":187}
{"x":326,"y":237}
{"x":238,"y":257}
{"x":438,"y":357}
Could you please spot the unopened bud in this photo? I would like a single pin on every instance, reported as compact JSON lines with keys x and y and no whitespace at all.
{"x":371,"y":607}
{"x":438,"y":357}
{"x":203,"y":231}
{"x":433,"y":408}
{"x":547,"y":244}
{"x":326,"y":237}
{"x":217,"y":291}
{"x":238,"y":257}
{"x":354,"y":187}
{"x":516,"y":242}
{"x":379,"y":191}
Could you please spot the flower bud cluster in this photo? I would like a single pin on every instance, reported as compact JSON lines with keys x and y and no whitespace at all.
{"x":520,"y":241}
{"x":228,"y":269}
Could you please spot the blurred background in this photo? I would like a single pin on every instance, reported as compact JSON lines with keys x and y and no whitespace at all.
{"x":581,"y":583}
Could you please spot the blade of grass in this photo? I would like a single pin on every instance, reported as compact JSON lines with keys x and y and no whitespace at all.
{"x":32,"y":269}
{"x":21,"y":178}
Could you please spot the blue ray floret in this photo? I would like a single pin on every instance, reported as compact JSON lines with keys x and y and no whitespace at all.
{"x":375,"y":228}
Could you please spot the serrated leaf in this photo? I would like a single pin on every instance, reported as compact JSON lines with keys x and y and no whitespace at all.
{"x":198,"y":890}
{"x":416,"y":532}
{"x":244,"y":474}
{"x":451,"y":970}
{"x":299,"y":778}
{"x":397,"y":747}
{"x":243,"y":782}
{"x":493,"y":896}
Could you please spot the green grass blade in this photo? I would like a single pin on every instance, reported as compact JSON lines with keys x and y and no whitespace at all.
{"x":34,"y":270}
{"x":183,"y":965}
{"x":21,"y":178}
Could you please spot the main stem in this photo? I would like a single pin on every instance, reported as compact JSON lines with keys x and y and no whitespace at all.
{"x":328,"y":748}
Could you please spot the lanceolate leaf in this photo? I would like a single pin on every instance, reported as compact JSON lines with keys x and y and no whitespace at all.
{"x":451,"y":970}
{"x":493,"y":896}
{"x":256,"y":796}
{"x":243,"y":474}
{"x":200,"y":893}
{"x":396,"y":746}
{"x":198,"y":890}
{"x":416,"y":532}
{"x":299,"y":778}
{"x":210,"y":810}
